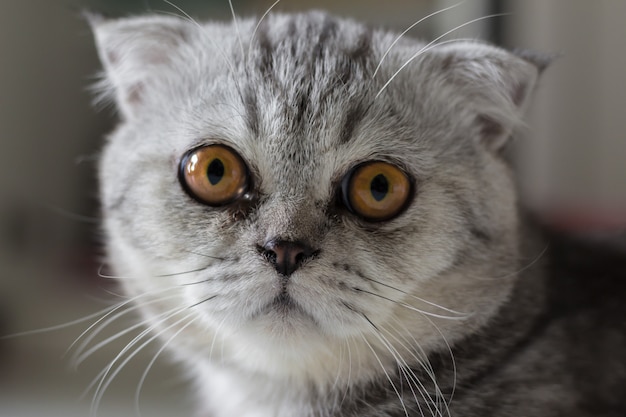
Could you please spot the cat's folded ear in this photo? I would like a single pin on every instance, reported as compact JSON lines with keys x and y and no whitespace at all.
{"x":496,"y":85}
{"x":137,"y":53}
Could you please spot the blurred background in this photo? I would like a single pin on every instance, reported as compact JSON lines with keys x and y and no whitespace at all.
{"x":573,"y":167}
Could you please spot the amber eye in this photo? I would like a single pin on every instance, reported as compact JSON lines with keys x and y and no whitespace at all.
{"x":376,"y":191}
{"x":214,"y":175}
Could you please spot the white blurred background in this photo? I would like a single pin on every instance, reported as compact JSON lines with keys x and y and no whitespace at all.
{"x":574,"y":153}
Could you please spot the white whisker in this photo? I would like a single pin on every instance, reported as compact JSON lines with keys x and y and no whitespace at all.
{"x":406,"y":31}
{"x":184,"y":13}
{"x":58,"y":326}
{"x":406,"y":370}
{"x":219,"y":258}
{"x":382,"y":366}
{"x":259,"y":24}
{"x":410,"y":307}
{"x":202,"y":31}
{"x":347,"y":384}
{"x":407,"y":345}
{"x":236,"y":24}
{"x":454,"y":377}
{"x":449,"y":310}
{"x":151,"y":364}
{"x":423,"y":391}
{"x":431,"y":44}
{"x":528,"y":266}
{"x":173,"y":274}
{"x":104,"y":385}
{"x":100,"y":377}
{"x":217,"y":330}
{"x":108,"y":376}
{"x":112,"y":310}
{"x":69,"y":215}
{"x":79,"y":357}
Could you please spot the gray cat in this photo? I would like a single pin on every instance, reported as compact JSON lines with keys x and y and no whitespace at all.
{"x":319,"y":219}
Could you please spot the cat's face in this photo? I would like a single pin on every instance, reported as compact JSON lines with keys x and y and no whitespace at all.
{"x":273,"y":202}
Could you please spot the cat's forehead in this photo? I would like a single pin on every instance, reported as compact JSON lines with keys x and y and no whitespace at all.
{"x":301,"y":102}
{"x":307,"y":75}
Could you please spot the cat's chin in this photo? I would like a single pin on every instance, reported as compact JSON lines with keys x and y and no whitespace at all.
{"x":284,"y":318}
{"x":286,"y":346}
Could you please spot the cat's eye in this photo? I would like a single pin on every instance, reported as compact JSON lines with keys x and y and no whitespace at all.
{"x":215,"y":175}
{"x":376,"y":191}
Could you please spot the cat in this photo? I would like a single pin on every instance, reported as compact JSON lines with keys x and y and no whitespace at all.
{"x":318,"y":218}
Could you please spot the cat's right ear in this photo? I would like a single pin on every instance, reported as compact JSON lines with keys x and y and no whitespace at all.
{"x":137,"y":54}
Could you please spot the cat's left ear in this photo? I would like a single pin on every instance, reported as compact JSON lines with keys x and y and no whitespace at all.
{"x":138,"y":54}
{"x":495,"y":84}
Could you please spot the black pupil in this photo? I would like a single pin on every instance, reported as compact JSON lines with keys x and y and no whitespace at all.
{"x":379,"y":187}
{"x":215,"y":171}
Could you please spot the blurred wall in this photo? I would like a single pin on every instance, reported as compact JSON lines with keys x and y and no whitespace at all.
{"x":48,"y":129}
{"x":577,"y":133}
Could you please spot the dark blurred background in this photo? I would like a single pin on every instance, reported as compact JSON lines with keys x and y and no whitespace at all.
{"x":573,"y":165}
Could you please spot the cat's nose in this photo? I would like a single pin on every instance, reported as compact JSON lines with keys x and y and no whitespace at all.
{"x":287,"y":256}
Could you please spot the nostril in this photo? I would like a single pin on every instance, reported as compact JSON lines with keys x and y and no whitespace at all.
{"x":300,"y":257}
{"x":269,"y":255}
{"x":286,"y":256}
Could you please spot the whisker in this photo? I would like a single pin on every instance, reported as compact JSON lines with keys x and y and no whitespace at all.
{"x":406,"y":371}
{"x":205,"y":255}
{"x":393,"y":386}
{"x":407,"y":30}
{"x":203,"y":301}
{"x":432,"y":43}
{"x":68,"y":214}
{"x":336,"y":382}
{"x":417,"y":298}
{"x":530,"y":265}
{"x":215,"y":338}
{"x":112,"y":310}
{"x":58,"y":326}
{"x":100,"y":377}
{"x":80,"y":357}
{"x":103,"y":387}
{"x":184,"y":13}
{"x":151,"y":364}
{"x":417,"y":54}
{"x":173,"y":274}
{"x":410,"y":307}
{"x":404,"y":368}
{"x":232,"y":11}
{"x":111,"y":292}
{"x":454,"y":369}
{"x":107,"y":377}
{"x":423,"y":391}
{"x":423,"y":362}
{"x":114,"y":317}
{"x":202,"y":32}
{"x":390,"y":349}
{"x":256,"y":28}
{"x":347,"y":385}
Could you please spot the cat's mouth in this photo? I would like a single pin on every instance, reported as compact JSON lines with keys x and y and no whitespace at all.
{"x":283,"y":303}
{"x":284,"y":306}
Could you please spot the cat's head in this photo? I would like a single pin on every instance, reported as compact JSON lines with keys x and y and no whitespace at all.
{"x":281,"y":194}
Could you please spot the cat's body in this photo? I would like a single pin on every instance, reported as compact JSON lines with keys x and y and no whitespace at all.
{"x":291,"y":295}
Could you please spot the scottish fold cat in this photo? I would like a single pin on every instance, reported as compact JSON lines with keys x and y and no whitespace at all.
{"x":318,"y":218}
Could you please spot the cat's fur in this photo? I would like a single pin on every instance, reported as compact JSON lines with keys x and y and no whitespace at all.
{"x":459,"y":306}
